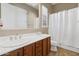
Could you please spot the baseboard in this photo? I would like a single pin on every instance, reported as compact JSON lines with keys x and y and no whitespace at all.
{"x":53,"y":48}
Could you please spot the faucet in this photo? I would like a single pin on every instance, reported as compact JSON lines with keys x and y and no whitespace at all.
{"x":11,"y":38}
{"x":18,"y":36}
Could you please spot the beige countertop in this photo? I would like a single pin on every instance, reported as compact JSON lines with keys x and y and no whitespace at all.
{"x":24,"y":42}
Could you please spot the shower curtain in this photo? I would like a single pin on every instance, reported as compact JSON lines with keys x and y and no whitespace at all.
{"x":64,"y":27}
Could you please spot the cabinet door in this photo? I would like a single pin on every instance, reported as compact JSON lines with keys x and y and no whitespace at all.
{"x":49,"y":45}
{"x":29,"y":50}
{"x":39,"y":48}
{"x":20,"y":52}
{"x":45,"y":47}
{"x":13,"y":53}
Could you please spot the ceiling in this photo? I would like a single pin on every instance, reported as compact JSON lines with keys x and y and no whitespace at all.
{"x":36,"y":5}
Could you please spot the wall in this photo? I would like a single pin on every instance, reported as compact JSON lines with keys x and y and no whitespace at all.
{"x":62,"y":6}
{"x":0,"y":10}
{"x":21,"y":31}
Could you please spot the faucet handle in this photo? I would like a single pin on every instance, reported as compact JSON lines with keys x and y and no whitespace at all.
{"x":15,"y":37}
{"x":19,"y":36}
{"x":11,"y":38}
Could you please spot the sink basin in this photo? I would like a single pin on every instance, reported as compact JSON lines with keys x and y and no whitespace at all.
{"x":12,"y":43}
{"x":31,"y":35}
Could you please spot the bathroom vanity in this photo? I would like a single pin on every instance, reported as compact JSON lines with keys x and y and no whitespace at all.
{"x":39,"y":46}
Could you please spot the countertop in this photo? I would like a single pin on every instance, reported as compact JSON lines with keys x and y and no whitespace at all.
{"x":32,"y":40}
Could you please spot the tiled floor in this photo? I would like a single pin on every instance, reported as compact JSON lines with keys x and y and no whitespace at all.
{"x":63,"y":52}
{"x":52,"y":53}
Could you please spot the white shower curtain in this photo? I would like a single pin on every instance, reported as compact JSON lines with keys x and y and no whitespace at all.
{"x":64,"y":27}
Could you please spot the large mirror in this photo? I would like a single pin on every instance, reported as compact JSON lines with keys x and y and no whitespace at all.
{"x":23,"y":16}
{"x":18,"y":16}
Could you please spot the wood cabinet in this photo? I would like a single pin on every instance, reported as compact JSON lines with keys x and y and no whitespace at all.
{"x":46,"y":46}
{"x":13,"y":53}
{"x":49,"y":45}
{"x":29,"y":50}
{"x":39,"y":48}
{"x":18,"y":52}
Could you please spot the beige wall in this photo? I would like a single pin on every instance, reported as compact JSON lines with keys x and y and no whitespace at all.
{"x":21,"y":31}
{"x":0,"y":10}
{"x":62,"y":6}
